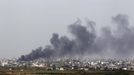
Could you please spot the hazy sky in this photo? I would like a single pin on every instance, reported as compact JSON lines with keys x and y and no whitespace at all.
{"x":28,"y":24}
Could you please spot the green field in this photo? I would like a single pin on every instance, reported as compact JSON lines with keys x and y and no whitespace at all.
{"x":41,"y":72}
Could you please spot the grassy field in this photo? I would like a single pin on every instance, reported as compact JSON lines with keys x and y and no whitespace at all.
{"x":43,"y":72}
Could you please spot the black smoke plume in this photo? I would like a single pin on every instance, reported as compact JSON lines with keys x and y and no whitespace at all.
{"x":86,"y":42}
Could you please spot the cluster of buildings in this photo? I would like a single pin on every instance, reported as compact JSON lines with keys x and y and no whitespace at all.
{"x":71,"y":64}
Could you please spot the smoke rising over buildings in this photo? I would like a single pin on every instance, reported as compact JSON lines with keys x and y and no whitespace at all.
{"x":86,"y":42}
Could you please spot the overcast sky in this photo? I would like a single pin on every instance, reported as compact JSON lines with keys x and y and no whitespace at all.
{"x":28,"y":24}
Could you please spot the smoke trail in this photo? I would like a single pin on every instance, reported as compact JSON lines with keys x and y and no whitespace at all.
{"x":86,"y":41}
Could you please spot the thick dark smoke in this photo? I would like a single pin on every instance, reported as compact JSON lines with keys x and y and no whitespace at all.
{"x":117,"y":43}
